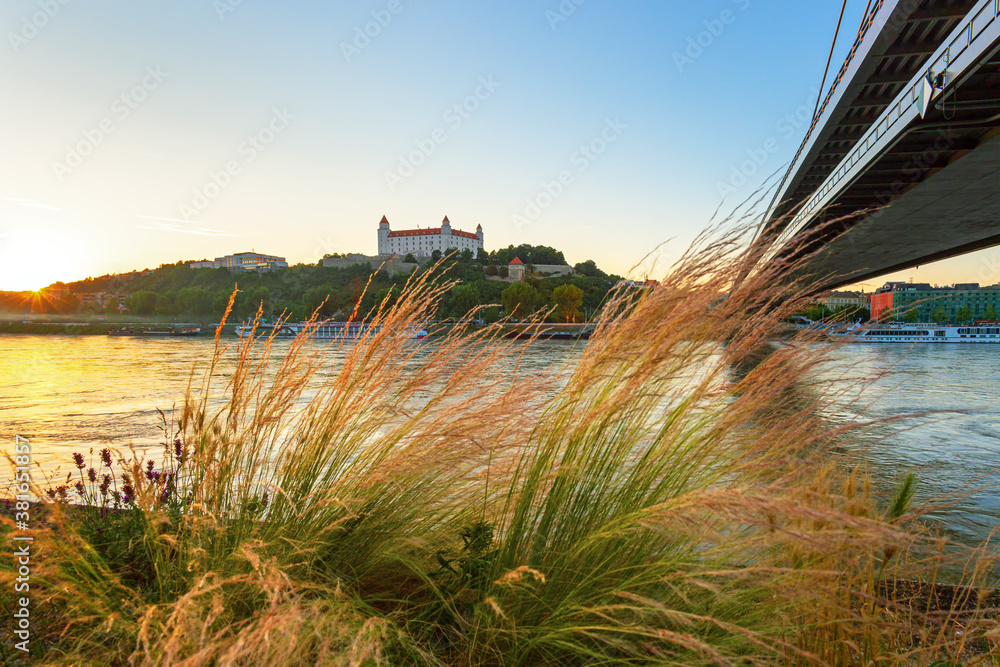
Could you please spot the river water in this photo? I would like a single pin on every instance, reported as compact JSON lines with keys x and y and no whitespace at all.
{"x":72,"y":393}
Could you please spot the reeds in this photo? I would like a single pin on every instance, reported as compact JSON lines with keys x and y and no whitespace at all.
{"x":667,"y":498}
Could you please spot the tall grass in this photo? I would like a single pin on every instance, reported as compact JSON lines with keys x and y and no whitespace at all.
{"x":670,"y":498}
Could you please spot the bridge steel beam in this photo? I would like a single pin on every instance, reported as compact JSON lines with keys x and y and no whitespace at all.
{"x":977,"y":34}
{"x":959,"y":187}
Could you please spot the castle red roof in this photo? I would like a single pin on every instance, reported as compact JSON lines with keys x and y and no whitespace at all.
{"x":446,"y":220}
{"x":384,"y":219}
{"x":517,"y":260}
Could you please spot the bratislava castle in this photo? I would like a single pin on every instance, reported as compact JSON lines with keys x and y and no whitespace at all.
{"x":423,"y":242}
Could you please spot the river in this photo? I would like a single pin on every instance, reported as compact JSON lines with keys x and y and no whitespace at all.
{"x":71,"y":393}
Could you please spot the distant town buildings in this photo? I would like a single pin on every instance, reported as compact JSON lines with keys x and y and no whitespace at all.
{"x":98,"y":298}
{"x":423,"y":242}
{"x":244,"y":261}
{"x":897,"y":300}
{"x":838,"y":300}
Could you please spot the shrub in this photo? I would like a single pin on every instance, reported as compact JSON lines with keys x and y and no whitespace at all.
{"x":668,"y":498}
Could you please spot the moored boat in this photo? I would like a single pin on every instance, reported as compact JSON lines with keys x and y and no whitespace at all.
{"x":981,"y":332}
{"x":327,"y":330}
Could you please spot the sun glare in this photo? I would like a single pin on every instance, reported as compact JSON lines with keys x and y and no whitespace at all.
{"x":33,"y":258}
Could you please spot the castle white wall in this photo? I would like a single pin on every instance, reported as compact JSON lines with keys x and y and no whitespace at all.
{"x":424,"y":244}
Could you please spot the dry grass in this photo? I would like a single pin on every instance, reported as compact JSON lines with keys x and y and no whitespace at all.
{"x":664,"y":500}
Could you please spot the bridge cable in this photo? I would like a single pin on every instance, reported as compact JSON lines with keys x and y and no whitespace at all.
{"x":829,"y":59}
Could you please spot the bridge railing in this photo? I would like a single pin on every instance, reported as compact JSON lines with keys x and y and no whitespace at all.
{"x":866,"y":24}
{"x":977,"y":32}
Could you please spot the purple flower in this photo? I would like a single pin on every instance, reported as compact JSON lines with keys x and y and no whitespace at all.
{"x":78,"y":460}
{"x":105,"y":485}
{"x":149,"y":469}
{"x":106,"y":457}
{"x":128,"y":493}
{"x":178,"y":448}
{"x":92,"y":475}
{"x":79,"y":487}
{"x":165,"y":496}
{"x":265,"y":499}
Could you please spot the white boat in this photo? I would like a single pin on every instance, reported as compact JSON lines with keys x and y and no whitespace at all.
{"x":981,"y":332}
{"x":284,"y":330}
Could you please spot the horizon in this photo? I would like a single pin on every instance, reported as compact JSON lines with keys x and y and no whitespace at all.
{"x":143,"y":133}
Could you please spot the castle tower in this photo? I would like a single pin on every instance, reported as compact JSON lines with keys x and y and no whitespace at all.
{"x":383,"y":237}
{"x":445,"y":227}
{"x":479,"y":235}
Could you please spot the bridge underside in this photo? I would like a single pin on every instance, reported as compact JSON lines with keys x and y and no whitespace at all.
{"x":957,"y":208}
{"x":881,"y":184}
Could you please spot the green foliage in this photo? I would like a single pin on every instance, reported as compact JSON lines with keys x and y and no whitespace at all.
{"x":519,"y":300}
{"x":589,"y":268}
{"x":964,"y":315}
{"x":142,"y":302}
{"x":903,"y":497}
{"x":410,"y":258}
{"x":817,"y":312}
{"x":568,"y":299}
{"x":464,"y":298}
{"x":529,"y":254}
{"x":464,"y":580}
{"x":939,"y":316}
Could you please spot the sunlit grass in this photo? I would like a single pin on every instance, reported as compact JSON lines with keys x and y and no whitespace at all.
{"x":663,"y":501}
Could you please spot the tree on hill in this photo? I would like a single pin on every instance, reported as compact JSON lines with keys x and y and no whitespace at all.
{"x":589,"y":269}
{"x":519,"y":300}
{"x":528,"y":254}
{"x":142,"y":302}
{"x":463,"y":299}
{"x":568,"y":299}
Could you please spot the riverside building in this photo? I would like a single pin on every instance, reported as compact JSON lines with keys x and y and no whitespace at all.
{"x":896,"y":301}
{"x":244,"y":261}
{"x":423,"y":242}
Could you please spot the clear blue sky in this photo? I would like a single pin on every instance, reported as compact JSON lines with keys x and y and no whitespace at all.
{"x":126,"y":126}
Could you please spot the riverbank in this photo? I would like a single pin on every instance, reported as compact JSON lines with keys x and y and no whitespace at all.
{"x":446,"y":504}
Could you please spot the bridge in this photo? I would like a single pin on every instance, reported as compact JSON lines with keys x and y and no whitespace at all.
{"x":901,"y":165}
